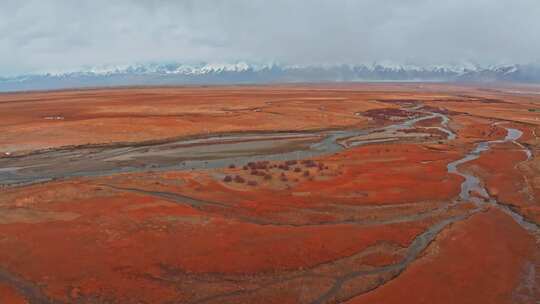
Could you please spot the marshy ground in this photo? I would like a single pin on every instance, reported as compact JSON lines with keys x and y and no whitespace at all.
{"x":352,"y":193}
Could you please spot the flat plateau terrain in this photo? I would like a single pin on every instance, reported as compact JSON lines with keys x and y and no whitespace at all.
{"x":338,"y":193}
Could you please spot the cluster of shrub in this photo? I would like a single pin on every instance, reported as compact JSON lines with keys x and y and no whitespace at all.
{"x":261,"y":168}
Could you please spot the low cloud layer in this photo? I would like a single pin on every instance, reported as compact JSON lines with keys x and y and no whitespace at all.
{"x":57,"y":35}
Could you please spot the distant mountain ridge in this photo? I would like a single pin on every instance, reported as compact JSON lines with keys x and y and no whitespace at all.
{"x":244,"y":73}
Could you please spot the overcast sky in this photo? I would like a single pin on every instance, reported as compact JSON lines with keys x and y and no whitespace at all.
{"x":43,"y":35}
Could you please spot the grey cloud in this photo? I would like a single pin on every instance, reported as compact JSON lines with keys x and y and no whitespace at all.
{"x":53,"y":35}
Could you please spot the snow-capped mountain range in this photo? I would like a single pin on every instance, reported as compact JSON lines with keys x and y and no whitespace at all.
{"x":243,"y":73}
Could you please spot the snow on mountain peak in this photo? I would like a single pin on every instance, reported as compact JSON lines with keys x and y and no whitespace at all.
{"x":244,"y":72}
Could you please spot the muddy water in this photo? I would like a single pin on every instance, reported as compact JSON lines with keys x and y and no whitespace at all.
{"x":450,"y":135}
{"x":470,"y":184}
{"x":394,"y":130}
{"x":206,"y":153}
{"x":393,"y":270}
{"x":220,"y":151}
{"x":474,"y":191}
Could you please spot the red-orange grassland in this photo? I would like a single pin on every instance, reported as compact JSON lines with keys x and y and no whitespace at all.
{"x":288,"y":236}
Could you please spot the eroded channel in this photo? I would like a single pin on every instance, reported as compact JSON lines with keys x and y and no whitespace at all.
{"x":216,"y":152}
{"x":472,"y":190}
{"x":193,"y":154}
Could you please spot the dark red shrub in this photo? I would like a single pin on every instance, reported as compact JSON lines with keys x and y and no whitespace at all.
{"x":239,"y":179}
{"x":291,"y":162}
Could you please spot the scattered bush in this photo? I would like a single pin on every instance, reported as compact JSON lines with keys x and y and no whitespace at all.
{"x":309,"y":163}
{"x":291,"y":162}
{"x":227,"y":179}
